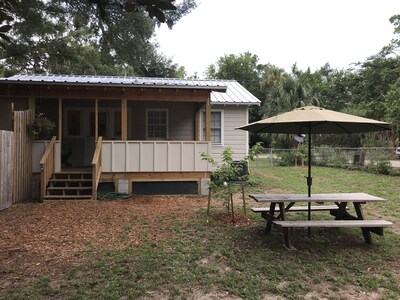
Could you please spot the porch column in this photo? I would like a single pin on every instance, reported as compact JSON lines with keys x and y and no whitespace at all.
{"x":96,"y":120}
{"x":197,"y":127}
{"x":31,"y":105}
{"x":208,"y":120}
{"x":60,"y":119}
{"x":124,"y":119}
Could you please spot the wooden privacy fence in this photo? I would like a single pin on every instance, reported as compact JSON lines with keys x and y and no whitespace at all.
{"x":6,"y":168}
{"x":22,"y":156}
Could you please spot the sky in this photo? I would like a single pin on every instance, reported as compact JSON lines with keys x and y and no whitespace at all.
{"x":309,"y":33}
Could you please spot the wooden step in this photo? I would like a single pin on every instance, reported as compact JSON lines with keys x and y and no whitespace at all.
{"x":70,"y":180}
{"x":56,"y":198}
{"x":69,"y":188}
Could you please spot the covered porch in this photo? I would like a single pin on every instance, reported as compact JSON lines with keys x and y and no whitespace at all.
{"x":120,"y":132}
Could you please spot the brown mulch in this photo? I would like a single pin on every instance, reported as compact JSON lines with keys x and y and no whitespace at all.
{"x":41,"y":238}
{"x":38,"y":239}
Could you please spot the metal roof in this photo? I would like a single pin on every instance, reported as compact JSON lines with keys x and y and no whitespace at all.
{"x":235,"y":94}
{"x":223,"y":91}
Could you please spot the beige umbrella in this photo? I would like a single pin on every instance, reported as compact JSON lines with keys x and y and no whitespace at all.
{"x":311,"y":120}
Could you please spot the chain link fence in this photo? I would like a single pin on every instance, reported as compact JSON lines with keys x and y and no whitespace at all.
{"x":358,"y":158}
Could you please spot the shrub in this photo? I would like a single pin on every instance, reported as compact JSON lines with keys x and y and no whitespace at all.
{"x":41,"y":128}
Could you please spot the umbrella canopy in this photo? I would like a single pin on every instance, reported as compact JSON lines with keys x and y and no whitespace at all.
{"x":318,"y":120}
{"x":313,"y":119}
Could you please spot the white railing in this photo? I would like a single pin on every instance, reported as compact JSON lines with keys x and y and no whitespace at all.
{"x":154,"y":156}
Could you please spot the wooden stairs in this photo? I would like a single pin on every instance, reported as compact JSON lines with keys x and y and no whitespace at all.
{"x":69,"y":186}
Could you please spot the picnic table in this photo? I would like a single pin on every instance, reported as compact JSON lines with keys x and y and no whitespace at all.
{"x":338,"y":207}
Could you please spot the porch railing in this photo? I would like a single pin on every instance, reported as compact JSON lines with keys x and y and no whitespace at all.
{"x":155,"y":156}
{"x":47,"y":166}
{"x":96,"y":167}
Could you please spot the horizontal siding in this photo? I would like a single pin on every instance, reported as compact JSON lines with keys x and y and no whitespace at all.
{"x":234,"y":116}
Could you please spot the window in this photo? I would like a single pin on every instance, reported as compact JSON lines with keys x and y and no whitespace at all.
{"x":157,"y":124}
{"x":216,"y":127}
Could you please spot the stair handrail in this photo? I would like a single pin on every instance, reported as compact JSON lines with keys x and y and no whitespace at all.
{"x":47,"y":167}
{"x":96,"y":167}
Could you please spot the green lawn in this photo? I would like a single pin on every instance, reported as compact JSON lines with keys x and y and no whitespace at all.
{"x":205,"y":257}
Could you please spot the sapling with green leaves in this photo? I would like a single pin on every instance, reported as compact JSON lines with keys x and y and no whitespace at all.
{"x":227,"y":172}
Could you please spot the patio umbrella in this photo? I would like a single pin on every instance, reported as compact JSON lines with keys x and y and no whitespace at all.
{"x":312,"y":119}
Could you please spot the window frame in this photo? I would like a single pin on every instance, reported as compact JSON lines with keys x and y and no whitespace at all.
{"x":203,"y":122}
{"x":166,"y":121}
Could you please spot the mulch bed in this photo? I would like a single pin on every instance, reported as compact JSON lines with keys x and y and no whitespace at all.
{"x":39,"y":239}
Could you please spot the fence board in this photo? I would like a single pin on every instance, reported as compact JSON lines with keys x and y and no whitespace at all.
{"x":6,"y":168}
{"x":22,"y":157}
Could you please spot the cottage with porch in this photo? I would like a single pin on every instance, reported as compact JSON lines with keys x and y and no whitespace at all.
{"x":139,"y":135}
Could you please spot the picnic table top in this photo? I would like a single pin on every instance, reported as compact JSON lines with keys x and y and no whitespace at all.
{"x":332,"y":197}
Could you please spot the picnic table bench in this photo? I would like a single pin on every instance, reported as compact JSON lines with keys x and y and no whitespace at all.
{"x":340,"y":210}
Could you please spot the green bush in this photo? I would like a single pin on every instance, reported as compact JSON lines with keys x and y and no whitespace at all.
{"x":41,"y":128}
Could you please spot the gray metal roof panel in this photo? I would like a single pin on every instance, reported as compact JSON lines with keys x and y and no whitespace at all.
{"x":235,"y":94}
{"x":114,"y":80}
{"x":223,"y":91}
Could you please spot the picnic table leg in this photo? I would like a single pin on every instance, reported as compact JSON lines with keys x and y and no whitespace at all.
{"x":360,"y":215}
{"x":286,"y":236}
{"x":342,"y":213}
{"x":269,"y":220}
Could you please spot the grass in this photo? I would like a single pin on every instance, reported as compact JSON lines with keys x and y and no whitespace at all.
{"x":205,"y":256}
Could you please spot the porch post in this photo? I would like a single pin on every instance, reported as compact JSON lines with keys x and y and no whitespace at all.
{"x":124,"y":119}
{"x":31,"y":105}
{"x":208,"y":120}
{"x":60,"y":119}
{"x":197,"y":127}
{"x":96,"y":119}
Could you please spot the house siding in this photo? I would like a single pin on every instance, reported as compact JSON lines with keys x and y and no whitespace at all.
{"x":238,"y":140}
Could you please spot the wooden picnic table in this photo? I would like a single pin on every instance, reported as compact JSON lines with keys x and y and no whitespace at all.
{"x":338,"y":208}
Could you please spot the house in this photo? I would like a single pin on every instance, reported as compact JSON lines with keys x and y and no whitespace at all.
{"x":140,"y":135}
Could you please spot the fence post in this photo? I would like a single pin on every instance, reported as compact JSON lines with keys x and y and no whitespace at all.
{"x":270,"y":157}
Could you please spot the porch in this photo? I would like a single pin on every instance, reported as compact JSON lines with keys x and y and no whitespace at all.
{"x":119,"y":162}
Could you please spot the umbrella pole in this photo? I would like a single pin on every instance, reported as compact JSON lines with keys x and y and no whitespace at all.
{"x":309,"y":178}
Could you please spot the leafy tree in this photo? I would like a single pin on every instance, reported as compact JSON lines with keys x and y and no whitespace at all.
{"x":370,"y":84}
{"x":285,"y":92}
{"x":163,"y":11}
{"x":393,"y":109}
{"x":331,"y":88}
{"x":6,"y":18}
{"x":65,"y":36}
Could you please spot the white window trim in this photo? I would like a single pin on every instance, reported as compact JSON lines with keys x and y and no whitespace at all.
{"x":202,"y":123}
{"x":147,"y":122}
